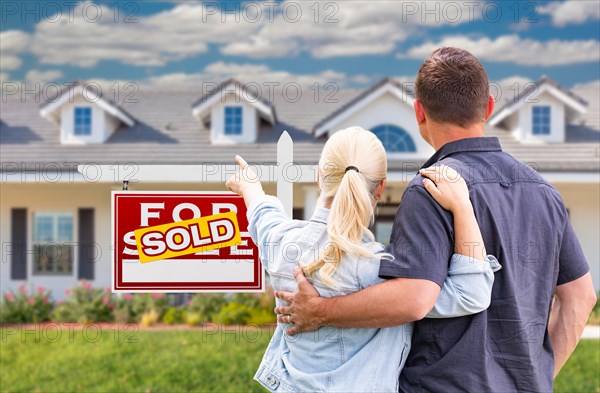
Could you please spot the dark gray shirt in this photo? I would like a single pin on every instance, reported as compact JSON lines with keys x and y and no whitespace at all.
{"x":524,"y":224}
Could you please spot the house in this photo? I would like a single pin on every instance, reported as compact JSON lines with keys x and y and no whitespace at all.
{"x":48,"y":210}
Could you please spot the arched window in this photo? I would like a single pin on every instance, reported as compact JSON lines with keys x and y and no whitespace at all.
{"x":394,"y":139}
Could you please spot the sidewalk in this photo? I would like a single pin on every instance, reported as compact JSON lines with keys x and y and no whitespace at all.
{"x":591,"y":332}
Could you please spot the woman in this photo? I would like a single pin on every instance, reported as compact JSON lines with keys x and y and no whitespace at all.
{"x":337,"y":252}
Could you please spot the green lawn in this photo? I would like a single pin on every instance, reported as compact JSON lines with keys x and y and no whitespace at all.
{"x":175,"y":361}
{"x":581,"y":374}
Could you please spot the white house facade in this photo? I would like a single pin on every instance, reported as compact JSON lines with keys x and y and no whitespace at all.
{"x":55,"y":223}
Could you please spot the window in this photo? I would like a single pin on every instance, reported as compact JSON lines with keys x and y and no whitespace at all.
{"x":233,"y":120}
{"x":83,"y":121}
{"x":53,"y":248}
{"x":541,"y":120}
{"x":394,"y":139}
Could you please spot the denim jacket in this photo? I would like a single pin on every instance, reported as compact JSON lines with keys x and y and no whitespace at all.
{"x":345,"y":359}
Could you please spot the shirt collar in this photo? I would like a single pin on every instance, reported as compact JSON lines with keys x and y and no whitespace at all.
{"x":464,"y":145}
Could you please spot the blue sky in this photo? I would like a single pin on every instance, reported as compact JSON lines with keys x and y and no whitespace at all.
{"x":353,"y":43}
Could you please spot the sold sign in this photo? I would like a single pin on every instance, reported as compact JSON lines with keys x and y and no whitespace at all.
{"x":182,"y":241}
{"x":187,"y":237}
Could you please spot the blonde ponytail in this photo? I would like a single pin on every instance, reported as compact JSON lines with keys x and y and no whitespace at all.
{"x":352,"y":164}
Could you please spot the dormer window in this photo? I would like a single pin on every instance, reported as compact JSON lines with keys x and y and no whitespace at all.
{"x":540,"y":113}
{"x":541,"y":120}
{"x":233,"y":113}
{"x":83,"y":121}
{"x":233,"y":120}
{"x":84,"y":115}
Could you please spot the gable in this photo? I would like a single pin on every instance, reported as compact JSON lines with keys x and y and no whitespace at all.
{"x":233,"y":91}
{"x":386,"y":110}
{"x":543,"y":89}
{"x":383,"y":87}
{"x":81,"y":92}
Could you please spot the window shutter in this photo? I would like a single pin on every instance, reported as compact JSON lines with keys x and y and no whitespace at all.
{"x":18,"y":258}
{"x":87,"y":249}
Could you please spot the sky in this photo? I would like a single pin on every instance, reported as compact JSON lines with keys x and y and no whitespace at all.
{"x":179,"y":45}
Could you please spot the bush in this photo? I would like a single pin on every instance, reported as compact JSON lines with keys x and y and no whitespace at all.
{"x":233,"y":314}
{"x":149,"y":318}
{"x":259,"y":317}
{"x":19,"y":307}
{"x":260,"y":305}
{"x":143,"y":302}
{"x":173,"y":316}
{"x":193,"y":319}
{"x":206,"y":305}
{"x":64,"y":313}
{"x":124,"y":311}
{"x":130,"y":307}
{"x":85,"y":304}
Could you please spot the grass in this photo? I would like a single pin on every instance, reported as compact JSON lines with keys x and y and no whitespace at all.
{"x":198,"y":360}
{"x":581,"y":374}
{"x":160,"y":361}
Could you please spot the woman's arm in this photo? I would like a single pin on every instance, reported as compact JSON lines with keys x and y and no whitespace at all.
{"x":265,"y":212}
{"x":468,"y":286}
{"x":467,"y":289}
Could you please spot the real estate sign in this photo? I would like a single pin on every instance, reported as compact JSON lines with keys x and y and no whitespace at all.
{"x":182,"y":242}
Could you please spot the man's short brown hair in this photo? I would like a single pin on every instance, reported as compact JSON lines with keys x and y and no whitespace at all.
{"x":453,"y":87}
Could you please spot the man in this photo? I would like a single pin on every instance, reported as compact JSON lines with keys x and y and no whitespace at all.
{"x":540,"y":300}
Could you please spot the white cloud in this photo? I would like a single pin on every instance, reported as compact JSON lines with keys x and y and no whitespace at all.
{"x":363,"y":80}
{"x":36,"y":76}
{"x":348,"y":28}
{"x":322,"y":29}
{"x":513,"y":49}
{"x":220,"y":71}
{"x":14,"y":43}
{"x":221,"y":68}
{"x":262,"y":73}
{"x":593,"y":85}
{"x":571,"y":11}
{"x":153,"y":40}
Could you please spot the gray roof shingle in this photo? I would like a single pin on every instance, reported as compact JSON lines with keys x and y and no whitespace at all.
{"x":167,"y":133}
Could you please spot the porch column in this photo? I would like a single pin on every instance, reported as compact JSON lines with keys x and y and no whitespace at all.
{"x":311,"y":194}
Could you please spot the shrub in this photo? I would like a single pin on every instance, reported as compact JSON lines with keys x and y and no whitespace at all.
{"x":260,"y":305}
{"x":259,"y":317}
{"x":124,"y":310}
{"x":233,"y":314}
{"x":130,"y":307}
{"x":88,"y":304}
{"x":173,"y":315}
{"x":206,"y":305}
{"x":149,"y":318}
{"x":192,"y":319}
{"x":143,"y":302}
{"x":64,"y":313}
{"x":19,"y":307}
{"x":252,"y":300}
